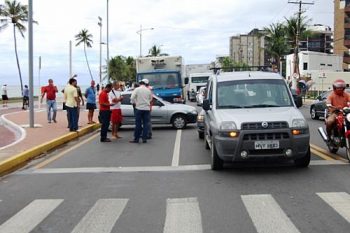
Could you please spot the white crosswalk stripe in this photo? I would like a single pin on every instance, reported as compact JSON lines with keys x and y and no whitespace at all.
{"x":267,"y":215}
{"x":339,"y":201}
{"x":102,"y":216}
{"x":30,"y":216}
{"x":183,"y":215}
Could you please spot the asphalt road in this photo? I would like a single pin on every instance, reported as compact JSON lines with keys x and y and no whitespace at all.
{"x":167,"y":186}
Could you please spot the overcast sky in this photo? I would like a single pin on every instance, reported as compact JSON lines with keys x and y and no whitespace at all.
{"x":198,"y":30}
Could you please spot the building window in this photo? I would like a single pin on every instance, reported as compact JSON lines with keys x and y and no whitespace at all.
{"x":305,"y":66}
{"x":329,"y":65}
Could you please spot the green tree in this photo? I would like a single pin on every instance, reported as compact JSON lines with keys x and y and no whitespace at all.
{"x":227,"y":64}
{"x":84,"y":37}
{"x":15,"y":13}
{"x":154,"y":51}
{"x":277,"y":44}
{"x":122,"y":68}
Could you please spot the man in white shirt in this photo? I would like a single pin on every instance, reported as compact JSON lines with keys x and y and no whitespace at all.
{"x":4,"y":96}
{"x":141,"y":97}
{"x":115,"y":97}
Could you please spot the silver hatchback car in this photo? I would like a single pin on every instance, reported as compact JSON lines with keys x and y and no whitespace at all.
{"x":163,"y":112}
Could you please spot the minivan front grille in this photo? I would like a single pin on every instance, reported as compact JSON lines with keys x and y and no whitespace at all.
{"x":259,"y":125}
{"x":265,"y":136}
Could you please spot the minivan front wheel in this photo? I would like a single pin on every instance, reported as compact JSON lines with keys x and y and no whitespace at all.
{"x":216,"y":162}
{"x":304,"y":161}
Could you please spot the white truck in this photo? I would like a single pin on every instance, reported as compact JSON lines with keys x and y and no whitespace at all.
{"x":196,"y":81}
{"x":165,"y":76}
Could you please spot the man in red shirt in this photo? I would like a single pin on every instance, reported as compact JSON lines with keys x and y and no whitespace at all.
{"x":105,"y":112}
{"x":50,"y":91}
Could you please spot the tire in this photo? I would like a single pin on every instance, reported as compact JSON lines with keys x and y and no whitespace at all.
{"x":348,"y":151}
{"x":216,"y":162}
{"x":207,"y":147}
{"x":200,"y":135}
{"x":331,"y":148}
{"x":313,"y":113}
{"x":178,"y":121}
{"x":304,"y":161}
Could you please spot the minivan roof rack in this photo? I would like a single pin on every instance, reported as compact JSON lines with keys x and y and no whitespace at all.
{"x":240,"y":68}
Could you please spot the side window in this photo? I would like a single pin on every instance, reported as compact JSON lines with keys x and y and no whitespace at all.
{"x":126,"y":99}
{"x":157,"y":102}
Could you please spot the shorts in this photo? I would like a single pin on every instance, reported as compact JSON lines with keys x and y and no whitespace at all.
{"x":116,"y":116}
{"x":90,"y":106}
{"x":4,"y":97}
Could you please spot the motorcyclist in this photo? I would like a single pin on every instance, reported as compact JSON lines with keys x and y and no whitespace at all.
{"x":338,"y":99}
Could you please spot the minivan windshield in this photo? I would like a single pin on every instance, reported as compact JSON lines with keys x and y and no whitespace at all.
{"x":262,"y":93}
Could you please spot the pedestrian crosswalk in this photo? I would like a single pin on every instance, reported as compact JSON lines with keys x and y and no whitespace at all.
{"x":182,"y":214}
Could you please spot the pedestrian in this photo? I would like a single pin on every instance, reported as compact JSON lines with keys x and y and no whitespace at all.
{"x":4,"y":95}
{"x":142,"y":98}
{"x":25,"y":95}
{"x":149,"y":134}
{"x":115,"y":97}
{"x":98,"y":87}
{"x":50,"y":91}
{"x":81,"y":100}
{"x":105,"y":112}
{"x":72,"y":102}
{"x":90,"y":95}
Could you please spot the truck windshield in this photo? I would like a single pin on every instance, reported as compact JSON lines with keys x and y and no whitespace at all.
{"x":253,"y":94}
{"x":162,"y":80}
{"x":202,"y":79}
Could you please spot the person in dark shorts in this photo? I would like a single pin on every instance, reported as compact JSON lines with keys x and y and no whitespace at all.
{"x":25,"y":104}
{"x":90,"y":95}
{"x":4,"y":96}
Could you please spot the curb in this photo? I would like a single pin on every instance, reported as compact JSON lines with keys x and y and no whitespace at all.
{"x":19,"y":159}
{"x":19,"y":132}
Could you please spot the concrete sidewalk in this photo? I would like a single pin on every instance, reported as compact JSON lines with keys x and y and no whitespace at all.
{"x":19,"y":143}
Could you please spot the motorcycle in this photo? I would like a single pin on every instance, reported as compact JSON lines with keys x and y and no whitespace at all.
{"x":340,"y":136}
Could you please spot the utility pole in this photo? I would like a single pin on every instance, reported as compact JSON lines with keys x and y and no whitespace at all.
{"x":296,"y":71}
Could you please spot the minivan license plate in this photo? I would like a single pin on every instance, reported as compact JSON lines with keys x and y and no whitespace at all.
{"x":265,"y":145}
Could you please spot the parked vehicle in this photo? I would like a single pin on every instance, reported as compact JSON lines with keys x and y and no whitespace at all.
{"x":194,"y":82}
{"x":163,"y":112}
{"x":200,"y":95}
{"x":165,"y":76}
{"x":200,"y":124}
{"x":251,"y":116}
{"x":340,"y":136}
{"x":318,"y":107}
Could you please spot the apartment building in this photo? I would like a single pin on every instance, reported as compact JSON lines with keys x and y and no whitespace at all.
{"x":342,"y":31}
{"x":249,"y":49}
{"x":320,"y":40}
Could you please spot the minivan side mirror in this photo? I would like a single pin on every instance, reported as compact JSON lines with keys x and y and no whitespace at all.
{"x":206,"y":105}
{"x":186,"y":80}
{"x":298,"y":101}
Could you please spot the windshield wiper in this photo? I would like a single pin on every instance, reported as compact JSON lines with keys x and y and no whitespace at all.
{"x":230,"y":106}
{"x":262,"y":106}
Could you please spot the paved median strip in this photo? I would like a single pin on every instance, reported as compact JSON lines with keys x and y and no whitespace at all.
{"x":324,"y":154}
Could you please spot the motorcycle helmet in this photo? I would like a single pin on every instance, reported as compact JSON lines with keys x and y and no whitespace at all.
{"x":339,"y":86}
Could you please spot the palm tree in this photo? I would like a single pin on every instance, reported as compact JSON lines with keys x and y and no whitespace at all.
{"x":16,"y":13}
{"x":154,"y":51}
{"x":292,"y":34}
{"x":277,"y":44}
{"x":84,"y":37}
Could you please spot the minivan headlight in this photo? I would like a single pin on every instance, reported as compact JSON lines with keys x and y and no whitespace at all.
{"x":299,"y":123}
{"x":227,"y":126}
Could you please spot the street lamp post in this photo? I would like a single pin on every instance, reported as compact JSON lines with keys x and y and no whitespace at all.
{"x":100,"y":24}
{"x":108,"y":40}
{"x":140,"y":33}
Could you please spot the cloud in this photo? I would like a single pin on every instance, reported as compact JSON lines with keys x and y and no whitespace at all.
{"x":196,"y":30}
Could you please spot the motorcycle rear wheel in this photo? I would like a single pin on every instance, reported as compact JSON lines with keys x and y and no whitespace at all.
{"x":348,"y":154}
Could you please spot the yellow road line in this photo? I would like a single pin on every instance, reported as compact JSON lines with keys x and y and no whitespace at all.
{"x":54,"y":158}
{"x":325,"y":154}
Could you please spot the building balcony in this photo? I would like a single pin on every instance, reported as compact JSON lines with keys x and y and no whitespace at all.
{"x":347,"y":9}
{"x":346,"y":60}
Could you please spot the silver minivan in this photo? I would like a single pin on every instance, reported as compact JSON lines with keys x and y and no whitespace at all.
{"x":252,"y":116}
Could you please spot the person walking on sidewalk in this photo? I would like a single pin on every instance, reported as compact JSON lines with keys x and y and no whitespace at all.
{"x":72,"y":102}
{"x":105,"y":112}
{"x":141,"y":97}
{"x":115,"y":97}
{"x":25,"y":97}
{"x":50,"y":91}
{"x":4,"y":96}
{"x":90,"y":95}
